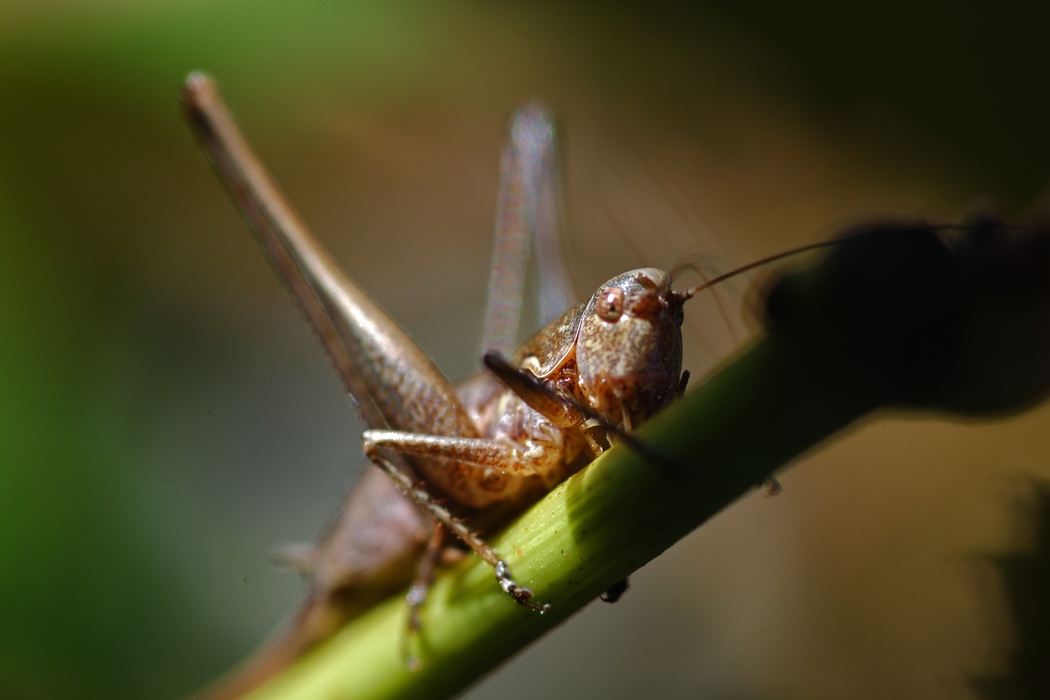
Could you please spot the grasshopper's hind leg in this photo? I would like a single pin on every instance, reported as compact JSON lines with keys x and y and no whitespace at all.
{"x":418,"y":493}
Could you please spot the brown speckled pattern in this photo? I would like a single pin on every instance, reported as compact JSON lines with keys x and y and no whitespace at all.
{"x":626,"y":369}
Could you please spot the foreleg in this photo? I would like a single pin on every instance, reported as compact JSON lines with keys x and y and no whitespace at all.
{"x":564,"y":410}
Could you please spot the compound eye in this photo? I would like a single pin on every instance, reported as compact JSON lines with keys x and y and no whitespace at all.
{"x":610,"y":304}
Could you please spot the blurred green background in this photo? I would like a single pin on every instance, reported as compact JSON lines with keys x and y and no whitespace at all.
{"x":166,"y":419}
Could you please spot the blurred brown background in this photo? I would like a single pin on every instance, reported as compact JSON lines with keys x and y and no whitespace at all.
{"x":166,"y":419}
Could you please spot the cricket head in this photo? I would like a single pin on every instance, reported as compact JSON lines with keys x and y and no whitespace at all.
{"x":629,"y":347}
{"x":628,"y":341}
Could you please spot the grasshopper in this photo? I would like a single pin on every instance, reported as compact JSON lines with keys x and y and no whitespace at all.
{"x":487,"y":448}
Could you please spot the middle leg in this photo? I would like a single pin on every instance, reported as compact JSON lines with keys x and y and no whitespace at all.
{"x":420,"y":495}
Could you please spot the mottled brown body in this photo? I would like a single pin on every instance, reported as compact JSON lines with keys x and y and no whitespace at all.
{"x":485,"y":449}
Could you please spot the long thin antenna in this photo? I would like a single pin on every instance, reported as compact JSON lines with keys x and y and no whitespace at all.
{"x":692,"y":291}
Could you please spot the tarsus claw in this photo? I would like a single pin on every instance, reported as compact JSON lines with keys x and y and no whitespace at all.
{"x":519,"y":593}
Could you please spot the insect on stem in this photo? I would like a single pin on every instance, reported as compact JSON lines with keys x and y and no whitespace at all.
{"x":488,"y":448}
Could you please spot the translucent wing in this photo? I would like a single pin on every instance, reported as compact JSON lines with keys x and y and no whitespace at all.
{"x":528,"y":213}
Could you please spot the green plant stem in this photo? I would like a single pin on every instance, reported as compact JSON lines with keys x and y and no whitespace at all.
{"x":754,"y":415}
{"x":893,"y":316}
